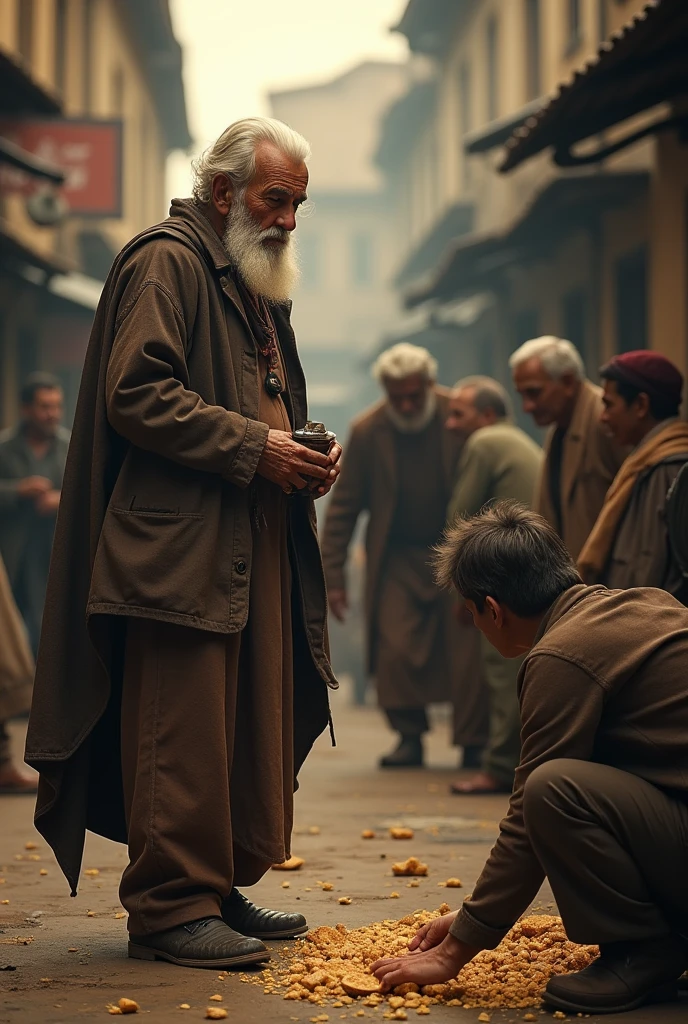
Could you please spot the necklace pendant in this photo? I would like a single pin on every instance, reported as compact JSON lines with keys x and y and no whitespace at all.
{"x":272,"y":384}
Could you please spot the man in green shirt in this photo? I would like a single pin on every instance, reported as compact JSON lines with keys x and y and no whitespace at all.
{"x":498,"y":461}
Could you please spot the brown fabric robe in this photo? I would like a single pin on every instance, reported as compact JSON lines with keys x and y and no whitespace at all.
{"x":590,"y":461}
{"x":200,"y":825}
{"x":155,"y":519}
{"x":417,"y":649}
{"x":16,"y":660}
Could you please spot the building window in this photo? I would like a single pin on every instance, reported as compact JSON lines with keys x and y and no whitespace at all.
{"x":492,"y":70}
{"x":87,"y":44}
{"x":25,"y":29}
{"x":310,"y":259}
{"x":60,"y":43}
{"x":630,"y":278}
{"x":465,"y":107}
{"x":574,"y":313}
{"x":533,"y":82}
{"x":361,"y":259}
{"x":574,"y":27}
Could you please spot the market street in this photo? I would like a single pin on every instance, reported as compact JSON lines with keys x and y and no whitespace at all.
{"x":342,"y":793}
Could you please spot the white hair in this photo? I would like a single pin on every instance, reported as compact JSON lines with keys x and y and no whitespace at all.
{"x":234,"y":153}
{"x":556,"y":355}
{"x":404,"y":360}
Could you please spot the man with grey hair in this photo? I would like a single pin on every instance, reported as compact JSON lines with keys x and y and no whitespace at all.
{"x":183,"y":671}
{"x":581,"y":459}
{"x":400,"y":467}
{"x":498,"y":461}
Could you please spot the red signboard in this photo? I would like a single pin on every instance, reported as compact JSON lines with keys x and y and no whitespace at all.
{"x":89,"y":152}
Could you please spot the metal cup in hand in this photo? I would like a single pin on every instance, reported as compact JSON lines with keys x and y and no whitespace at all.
{"x":316,"y":437}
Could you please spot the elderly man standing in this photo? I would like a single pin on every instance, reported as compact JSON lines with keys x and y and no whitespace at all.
{"x":581,"y":460}
{"x":498,"y":461}
{"x":183,"y":669}
{"x":400,"y":467}
{"x":630,"y":545}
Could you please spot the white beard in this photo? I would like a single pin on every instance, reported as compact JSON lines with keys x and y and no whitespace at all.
{"x":266,"y":270}
{"x":414,"y":424}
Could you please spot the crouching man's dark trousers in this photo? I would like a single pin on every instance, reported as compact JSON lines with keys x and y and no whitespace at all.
{"x":614,"y":848}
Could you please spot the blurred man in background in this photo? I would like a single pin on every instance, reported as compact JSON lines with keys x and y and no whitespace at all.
{"x":498,"y":461}
{"x":629,"y":545}
{"x":32,"y":463}
{"x":400,"y":467}
{"x":581,"y":460}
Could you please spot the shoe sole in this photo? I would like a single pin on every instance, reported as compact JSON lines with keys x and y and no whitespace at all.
{"x":146,"y":953}
{"x":665,"y":994}
{"x":288,"y":933}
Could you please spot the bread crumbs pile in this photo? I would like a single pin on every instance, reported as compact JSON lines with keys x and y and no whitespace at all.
{"x":330,"y":967}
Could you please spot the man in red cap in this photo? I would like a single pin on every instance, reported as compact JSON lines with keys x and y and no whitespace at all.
{"x":629,"y":544}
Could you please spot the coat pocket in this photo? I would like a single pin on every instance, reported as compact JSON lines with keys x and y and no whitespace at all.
{"x":159,"y":559}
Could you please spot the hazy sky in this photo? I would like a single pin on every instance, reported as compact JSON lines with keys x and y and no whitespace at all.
{"x":236,"y":51}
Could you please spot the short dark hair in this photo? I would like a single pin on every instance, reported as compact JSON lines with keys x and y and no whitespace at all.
{"x":488,"y":394}
{"x":38,"y":382}
{"x":660,"y":408}
{"x":509,"y":553}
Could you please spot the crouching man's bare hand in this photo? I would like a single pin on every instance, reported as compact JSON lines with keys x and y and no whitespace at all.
{"x":428,"y":967}
{"x":291,"y":466}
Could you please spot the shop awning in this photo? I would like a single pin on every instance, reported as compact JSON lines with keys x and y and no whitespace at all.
{"x":566,"y":204}
{"x":20,"y":93}
{"x":641,"y":66}
{"x":15,"y":156}
{"x":496,"y":133}
{"x":454,"y":222}
{"x":17,"y":255}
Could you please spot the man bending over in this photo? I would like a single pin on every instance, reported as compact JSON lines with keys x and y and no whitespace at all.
{"x":600,"y":800}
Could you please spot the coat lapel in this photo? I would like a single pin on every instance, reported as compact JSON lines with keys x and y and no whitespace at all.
{"x":574,"y":441}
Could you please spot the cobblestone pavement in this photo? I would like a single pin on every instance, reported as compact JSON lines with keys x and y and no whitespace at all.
{"x":76,"y":960}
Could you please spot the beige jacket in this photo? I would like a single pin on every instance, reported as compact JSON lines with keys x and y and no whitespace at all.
{"x":590,"y":461}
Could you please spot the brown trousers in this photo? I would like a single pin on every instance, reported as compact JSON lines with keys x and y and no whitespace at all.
{"x":207,"y":747}
{"x":424,"y":655}
{"x":614,"y":848}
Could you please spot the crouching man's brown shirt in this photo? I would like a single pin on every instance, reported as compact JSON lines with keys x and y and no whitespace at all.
{"x":607,"y":681}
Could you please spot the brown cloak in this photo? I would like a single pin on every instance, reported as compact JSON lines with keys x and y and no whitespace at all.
{"x":155,"y":516}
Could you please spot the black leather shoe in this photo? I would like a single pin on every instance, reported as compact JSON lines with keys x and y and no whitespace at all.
{"x":408,"y":754}
{"x":205,"y":943}
{"x":472,"y":757}
{"x":247,"y":918}
{"x":626,"y":975}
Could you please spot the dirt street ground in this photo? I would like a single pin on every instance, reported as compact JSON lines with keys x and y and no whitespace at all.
{"x":70,"y":960}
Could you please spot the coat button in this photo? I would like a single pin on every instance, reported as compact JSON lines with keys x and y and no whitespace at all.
{"x":240,"y":566}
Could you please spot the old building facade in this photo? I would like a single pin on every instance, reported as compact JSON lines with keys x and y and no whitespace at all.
{"x":491,"y":258}
{"x":110,"y":64}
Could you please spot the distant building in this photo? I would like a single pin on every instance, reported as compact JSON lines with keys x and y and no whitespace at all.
{"x":349,"y":244}
{"x":77,"y":60}
{"x":491,"y":259}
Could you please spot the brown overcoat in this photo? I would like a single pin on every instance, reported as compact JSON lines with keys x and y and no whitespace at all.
{"x":368,"y":482}
{"x":589,"y":462}
{"x":16,"y":660}
{"x":155,"y":517}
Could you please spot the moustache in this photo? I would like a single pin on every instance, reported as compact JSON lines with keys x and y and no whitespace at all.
{"x":280,"y":234}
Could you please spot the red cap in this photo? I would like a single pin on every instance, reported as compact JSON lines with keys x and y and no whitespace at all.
{"x":650,"y":372}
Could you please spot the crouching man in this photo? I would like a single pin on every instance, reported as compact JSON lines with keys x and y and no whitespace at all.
{"x":600,"y":800}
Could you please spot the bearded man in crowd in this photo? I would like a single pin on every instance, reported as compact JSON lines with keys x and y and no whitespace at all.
{"x":186,"y":608}
{"x":400,"y":468}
